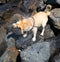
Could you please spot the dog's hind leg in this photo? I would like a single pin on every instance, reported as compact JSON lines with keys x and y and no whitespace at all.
{"x":34,"y":32}
{"x":43,"y":25}
{"x":42,"y":33}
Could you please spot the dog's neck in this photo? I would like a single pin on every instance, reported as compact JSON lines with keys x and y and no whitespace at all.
{"x":31,"y":22}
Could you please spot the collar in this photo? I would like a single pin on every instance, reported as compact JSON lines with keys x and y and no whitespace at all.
{"x":34,"y":22}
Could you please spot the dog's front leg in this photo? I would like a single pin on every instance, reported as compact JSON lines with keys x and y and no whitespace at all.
{"x":25,"y":35}
{"x":34,"y":32}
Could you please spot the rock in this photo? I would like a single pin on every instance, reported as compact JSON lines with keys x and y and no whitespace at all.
{"x":1,"y":21}
{"x":57,"y":58}
{"x":58,"y":41}
{"x":38,"y":52}
{"x":23,"y":43}
{"x":3,"y":47}
{"x":3,"y":44}
{"x":53,"y":2}
{"x":28,"y":5}
{"x":11,"y":52}
{"x":10,"y":41}
{"x":2,"y":1}
{"x":58,"y":1}
{"x":10,"y":55}
{"x":7,"y":6}
{"x":41,"y":51}
{"x":55,"y":16}
{"x":48,"y":33}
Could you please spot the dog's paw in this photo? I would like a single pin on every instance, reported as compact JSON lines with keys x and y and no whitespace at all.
{"x":33,"y":39}
{"x":14,"y":25}
{"x":25,"y":35}
{"x":41,"y":34}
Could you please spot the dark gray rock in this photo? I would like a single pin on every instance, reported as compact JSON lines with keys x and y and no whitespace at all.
{"x":9,"y":40}
{"x":38,"y":52}
{"x":48,"y":33}
{"x":23,"y":43}
{"x":3,"y":44}
{"x":58,"y":41}
{"x":57,"y":58}
{"x":55,"y":16}
{"x":28,"y":4}
{"x":41,"y":51}
{"x":10,"y":53}
{"x":53,"y":2}
{"x":1,"y":21}
{"x":3,"y":47}
{"x":7,"y":6}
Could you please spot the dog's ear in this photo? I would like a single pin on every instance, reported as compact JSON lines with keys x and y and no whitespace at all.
{"x":21,"y":18}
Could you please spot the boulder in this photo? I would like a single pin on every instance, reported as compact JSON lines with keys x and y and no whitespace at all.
{"x":58,"y":1}
{"x":48,"y":33}
{"x":38,"y":52}
{"x":3,"y":44}
{"x":27,"y":5}
{"x":10,"y":54}
{"x":57,"y":58}
{"x":2,"y":1}
{"x":58,"y":41}
{"x":41,"y":51}
{"x":55,"y":16}
{"x":53,"y":2}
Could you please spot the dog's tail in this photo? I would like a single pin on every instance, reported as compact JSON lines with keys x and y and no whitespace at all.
{"x":48,"y":13}
{"x":48,"y":9}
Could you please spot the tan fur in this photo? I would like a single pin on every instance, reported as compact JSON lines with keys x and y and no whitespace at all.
{"x":40,"y":19}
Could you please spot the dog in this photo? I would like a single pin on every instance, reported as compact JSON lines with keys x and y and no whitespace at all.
{"x":32,"y":23}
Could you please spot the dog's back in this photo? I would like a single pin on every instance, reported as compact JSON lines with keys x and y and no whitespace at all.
{"x":41,"y":18}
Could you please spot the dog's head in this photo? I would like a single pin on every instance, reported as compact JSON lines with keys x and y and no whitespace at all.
{"x":23,"y":24}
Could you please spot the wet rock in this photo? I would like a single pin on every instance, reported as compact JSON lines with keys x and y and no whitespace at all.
{"x":48,"y":33}
{"x":55,"y":16}
{"x":38,"y":52}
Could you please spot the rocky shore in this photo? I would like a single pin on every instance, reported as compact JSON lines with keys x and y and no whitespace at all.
{"x":11,"y":39}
